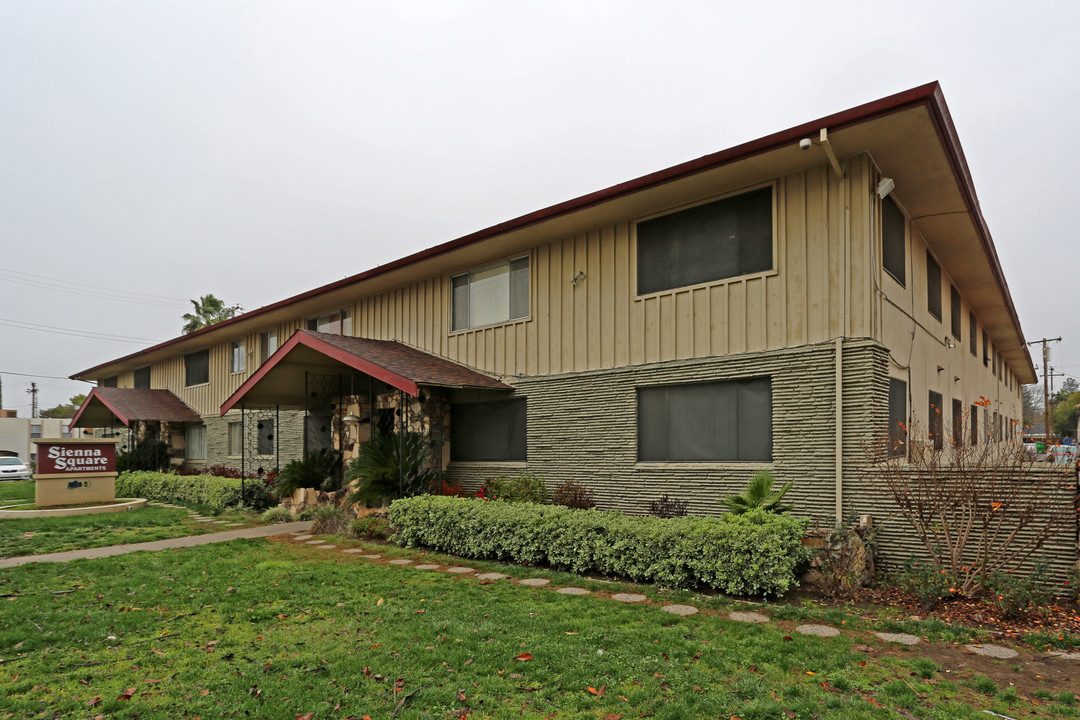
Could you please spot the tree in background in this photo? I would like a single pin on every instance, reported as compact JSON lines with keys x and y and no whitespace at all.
{"x":1063,"y":413}
{"x":208,"y":311}
{"x":1033,"y":404}
{"x":65,"y":410}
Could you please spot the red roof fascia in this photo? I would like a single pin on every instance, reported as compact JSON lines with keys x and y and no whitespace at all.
{"x":924,"y":94}
{"x":95,"y":396}
{"x":301,"y":337}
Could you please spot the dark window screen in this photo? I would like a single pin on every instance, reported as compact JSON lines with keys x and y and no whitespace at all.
{"x":897,"y":417}
{"x":893,"y":256}
{"x":974,"y":424}
{"x":973,"y":334}
{"x":709,"y":242}
{"x":142,"y":377}
{"x":488,"y":431}
{"x":954,"y":307}
{"x":109,"y":381}
{"x":197,"y":368}
{"x":266,"y":445}
{"x":957,"y":422}
{"x":986,"y":349}
{"x":706,"y":422}
{"x":933,"y":286}
{"x":936,"y":423}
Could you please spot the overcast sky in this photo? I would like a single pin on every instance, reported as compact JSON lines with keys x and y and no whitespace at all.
{"x":152,"y":152}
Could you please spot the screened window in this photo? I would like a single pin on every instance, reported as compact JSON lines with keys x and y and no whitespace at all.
{"x":954,"y":308}
{"x":973,"y":335}
{"x":898,"y":420}
{"x":936,"y":431}
{"x":35,"y":431}
{"x":236,"y":438}
{"x":492,"y":295}
{"x":993,"y":360}
{"x":933,"y":286}
{"x":142,"y":377}
{"x":974,"y":419}
{"x":708,"y":242}
{"x":237,"y":356}
{"x":719,"y":421}
{"x":268,"y":344}
{"x":986,"y":349}
{"x":109,"y":382}
{"x":491,"y":431}
{"x":65,"y":431}
{"x":893,"y":242}
{"x":195,"y":445}
{"x":197,"y":368}
{"x":338,"y":322}
{"x":265,"y":439}
{"x":957,"y":422}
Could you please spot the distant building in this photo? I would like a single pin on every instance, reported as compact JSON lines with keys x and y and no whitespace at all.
{"x":16,"y":433}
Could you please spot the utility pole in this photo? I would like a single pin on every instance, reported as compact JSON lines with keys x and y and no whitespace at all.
{"x":1046,"y":381}
{"x":33,"y":391}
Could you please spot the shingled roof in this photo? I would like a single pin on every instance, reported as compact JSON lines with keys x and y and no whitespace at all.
{"x":129,"y":404}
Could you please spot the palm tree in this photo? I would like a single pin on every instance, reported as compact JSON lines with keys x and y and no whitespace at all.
{"x":208,"y":310}
{"x":759,"y":493}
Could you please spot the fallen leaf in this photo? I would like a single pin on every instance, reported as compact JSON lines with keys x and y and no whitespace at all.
{"x":94,"y":701}
{"x":126,"y":695}
{"x":305,"y":717}
{"x":379,"y":602}
{"x":810,"y":673}
{"x":789,"y":714}
{"x":523,"y":657}
{"x":204,"y":693}
{"x":282,"y":616}
{"x":623,"y":698}
{"x":598,"y":692}
{"x":787,"y":638}
{"x":568,"y":633}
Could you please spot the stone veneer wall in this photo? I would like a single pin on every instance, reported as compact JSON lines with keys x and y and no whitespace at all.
{"x":290,"y":436}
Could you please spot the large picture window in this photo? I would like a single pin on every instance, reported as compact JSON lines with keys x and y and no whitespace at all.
{"x":893,"y":241}
{"x":709,"y":242}
{"x":197,"y":368}
{"x":195,"y":442}
{"x":493,"y":295}
{"x":706,"y":422}
{"x":488,"y":431}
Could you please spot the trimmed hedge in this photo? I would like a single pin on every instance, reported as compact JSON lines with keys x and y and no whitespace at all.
{"x":211,"y":490}
{"x":756,"y":553}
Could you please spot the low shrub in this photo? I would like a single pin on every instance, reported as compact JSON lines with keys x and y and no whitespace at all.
{"x":526,"y":487}
{"x":668,"y":507}
{"x":148,"y":454}
{"x":216,"y":470}
{"x":329,"y":520}
{"x":214,"y":492}
{"x":573,"y":495}
{"x":926,"y":581}
{"x":759,"y":494}
{"x":752,"y":554}
{"x":276,"y":515}
{"x":371,"y":527}
{"x":307,"y":514}
{"x":1016,"y":595}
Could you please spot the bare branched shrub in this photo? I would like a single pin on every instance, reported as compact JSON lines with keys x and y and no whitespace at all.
{"x":668,"y":507}
{"x":977,"y":509}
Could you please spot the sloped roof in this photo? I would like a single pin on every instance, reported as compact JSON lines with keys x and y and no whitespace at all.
{"x":128,"y":404}
{"x":398,"y":365}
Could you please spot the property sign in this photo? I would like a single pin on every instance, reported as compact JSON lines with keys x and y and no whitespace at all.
{"x":75,"y":458}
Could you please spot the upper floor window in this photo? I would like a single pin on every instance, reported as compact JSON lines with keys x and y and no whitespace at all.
{"x":237,"y":356}
{"x":35,"y":431}
{"x":268,"y":344}
{"x":954,"y":307}
{"x":973,"y":335}
{"x":893,"y":241}
{"x":986,"y":349}
{"x":109,"y":381}
{"x":338,"y":322}
{"x":142,"y":377}
{"x":197,"y":368}
{"x":492,"y":295}
{"x":933,"y":286}
{"x":717,"y":240}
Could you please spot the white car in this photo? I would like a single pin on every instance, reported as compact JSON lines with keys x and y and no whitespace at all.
{"x":12,"y":468}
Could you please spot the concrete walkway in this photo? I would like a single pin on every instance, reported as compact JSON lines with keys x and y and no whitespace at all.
{"x":171,"y":543}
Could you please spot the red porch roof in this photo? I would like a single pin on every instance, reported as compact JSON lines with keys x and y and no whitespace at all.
{"x":128,"y":404}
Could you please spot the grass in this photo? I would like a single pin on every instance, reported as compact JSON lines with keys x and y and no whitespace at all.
{"x":16,"y":492}
{"x":252,"y":629}
{"x":35,"y":536}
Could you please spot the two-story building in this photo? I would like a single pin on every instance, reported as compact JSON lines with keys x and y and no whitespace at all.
{"x":780,"y":304}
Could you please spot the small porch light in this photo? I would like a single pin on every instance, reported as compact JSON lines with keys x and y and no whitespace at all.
{"x":351,"y":419}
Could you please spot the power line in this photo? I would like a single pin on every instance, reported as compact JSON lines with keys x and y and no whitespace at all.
{"x":49,"y":377}
{"x":182,"y":301}
{"x":70,"y":331}
{"x":87,"y":293}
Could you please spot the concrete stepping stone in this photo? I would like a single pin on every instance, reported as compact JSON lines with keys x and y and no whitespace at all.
{"x":371,"y":557}
{"x":492,"y":576}
{"x":572,"y":591}
{"x":220,"y":522}
{"x":354,"y":551}
{"x":680,"y":610}
{"x":994,"y":651}
{"x":460,"y":570}
{"x":817,"y":630}
{"x":327,"y":547}
{"x":629,"y":597}
{"x":401,"y":561}
{"x":204,"y":520}
{"x":902,"y":638}
{"x":534,"y":582}
{"x":748,"y":617}
{"x":234,"y":525}
{"x":302,"y":537}
{"x":1064,"y":655}
{"x":427,"y":566}
{"x":314,"y":542}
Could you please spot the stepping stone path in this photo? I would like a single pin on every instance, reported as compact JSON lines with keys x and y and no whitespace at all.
{"x":748,"y":617}
{"x":314,"y":542}
{"x":371,"y":557}
{"x":534,"y":582}
{"x":681,"y":610}
{"x":572,"y":591}
{"x":401,"y":561}
{"x":492,"y":576}
{"x":460,"y":570}
{"x":326,"y":547}
{"x":629,"y":597}
{"x":817,"y":630}
{"x":1065,"y":655}
{"x":428,"y":566}
{"x":219,"y":522}
{"x":902,"y":638}
{"x":994,"y":651}
{"x":234,"y":525}
{"x":204,"y":520}
{"x":302,"y":537}
{"x":353,"y":551}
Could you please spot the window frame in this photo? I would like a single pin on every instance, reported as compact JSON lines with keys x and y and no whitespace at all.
{"x":888,"y":201}
{"x":345,"y":315}
{"x":956,"y":312}
{"x":187,"y":368}
{"x":264,"y":344}
{"x":638,"y":296}
{"x":935,"y":426}
{"x":973,"y":335}
{"x":136,"y":374}
{"x":933,"y":289}
{"x":237,"y":426}
{"x":503,"y":262}
{"x":237,"y":356}
{"x":897,"y":436}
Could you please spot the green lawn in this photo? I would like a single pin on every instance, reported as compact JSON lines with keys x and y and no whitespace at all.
{"x":34,"y":536}
{"x":16,"y":492}
{"x":254,"y":629}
